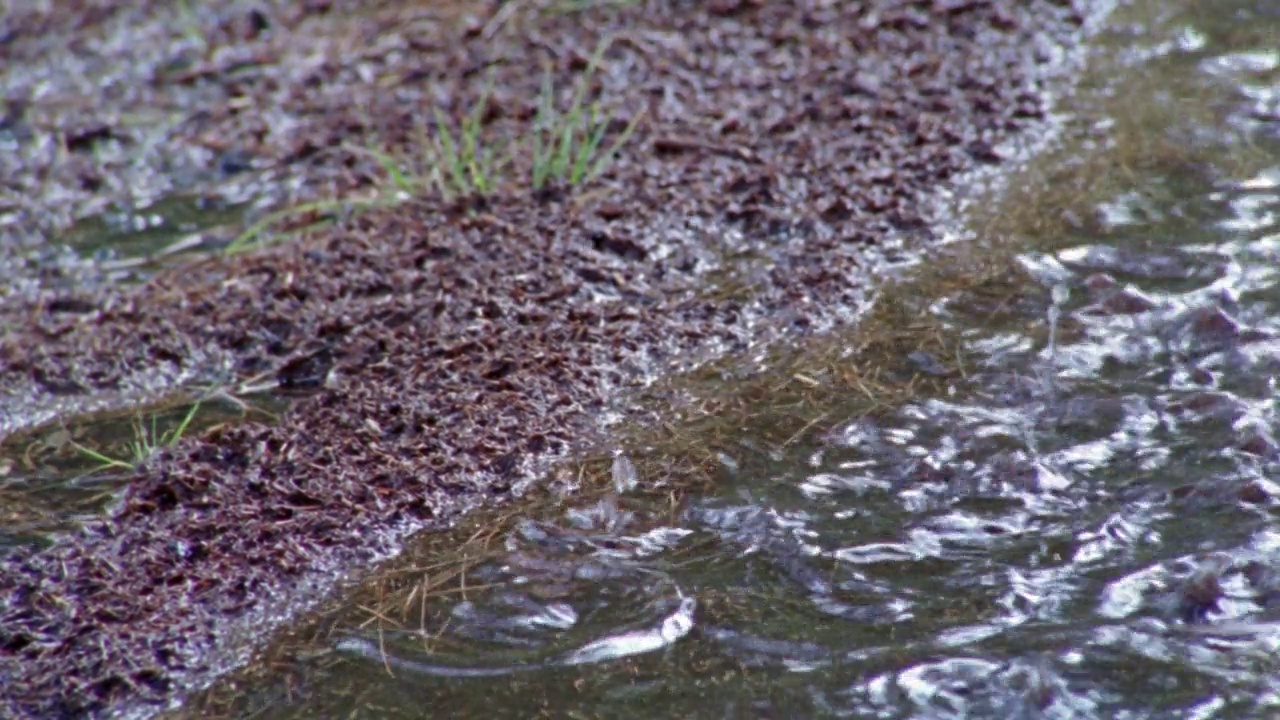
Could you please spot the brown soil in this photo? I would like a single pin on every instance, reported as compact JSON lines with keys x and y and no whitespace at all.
{"x":452,"y":348}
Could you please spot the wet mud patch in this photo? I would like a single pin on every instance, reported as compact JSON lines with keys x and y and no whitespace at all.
{"x":453,"y":349}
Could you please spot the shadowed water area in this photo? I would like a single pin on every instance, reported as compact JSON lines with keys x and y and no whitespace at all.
{"x":1074,"y":517}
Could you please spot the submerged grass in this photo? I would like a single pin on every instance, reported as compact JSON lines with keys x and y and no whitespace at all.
{"x":147,"y":439}
{"x":303,"y":217}
{"x":54,"y":476}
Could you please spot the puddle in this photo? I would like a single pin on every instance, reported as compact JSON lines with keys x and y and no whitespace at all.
{"x":1073,"y":516}
{"x":173,"y":227}
{"x":57,"y":475}
{"x":118,"y":247}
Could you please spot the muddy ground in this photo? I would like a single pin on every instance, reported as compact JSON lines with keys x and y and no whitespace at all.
{"x":447,"y":347}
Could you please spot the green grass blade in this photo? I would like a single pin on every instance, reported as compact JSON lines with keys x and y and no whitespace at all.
{"x":470,"y":159}
{"x":603,"y":160}
{"x":476,"y":155}
{"x":243,"y":241}
{"x":103,"y":460}
{"x":177,"y":433}
{"x":574,"y":137}
{"x":588,"y":147}
{"x":565,"y":148}
{"x":542,"y":128}
{"x":398,"y":177}
{"x":449,"y":154}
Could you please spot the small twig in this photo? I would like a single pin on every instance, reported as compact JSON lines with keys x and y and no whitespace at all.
{"x":679,"y":145}
{"x":807,"y":427}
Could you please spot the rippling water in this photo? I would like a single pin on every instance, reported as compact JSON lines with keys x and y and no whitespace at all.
{"x":1084,"y":526}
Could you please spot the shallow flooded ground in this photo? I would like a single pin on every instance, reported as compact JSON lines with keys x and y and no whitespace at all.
{"x":56,"y":476}
{"x":458,"y":326}
{"x":1074,"y":517}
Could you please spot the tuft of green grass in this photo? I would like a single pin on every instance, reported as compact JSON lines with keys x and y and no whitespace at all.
{"x":566,"y":146}
{"x":147,"y":439}
{"x":458,"y":162}
{"x":463,"y":164}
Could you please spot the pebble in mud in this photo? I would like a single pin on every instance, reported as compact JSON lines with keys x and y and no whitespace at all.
{"x":455,"y":346}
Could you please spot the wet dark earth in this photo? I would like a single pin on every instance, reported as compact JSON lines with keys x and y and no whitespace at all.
{"x":1078,"y":526}
{"x":1082,"y":524}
